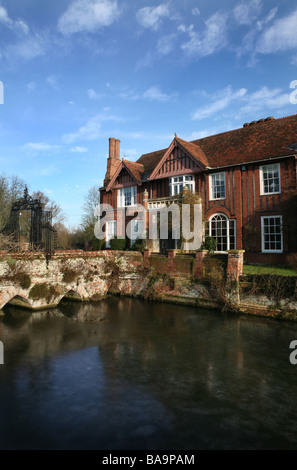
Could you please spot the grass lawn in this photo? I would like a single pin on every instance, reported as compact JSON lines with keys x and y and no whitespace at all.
{"x":276,"y":270}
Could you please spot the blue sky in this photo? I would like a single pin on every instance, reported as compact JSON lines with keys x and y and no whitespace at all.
{"x":78,"y":72}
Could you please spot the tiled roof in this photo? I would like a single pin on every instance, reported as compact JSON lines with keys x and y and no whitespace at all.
{"x":255,"y":142}
{"x":135,"y":168}
{"x":151,"y":160}
{"x":195,"y":150}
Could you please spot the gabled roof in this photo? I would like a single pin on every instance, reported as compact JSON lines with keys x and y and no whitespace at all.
{"x":259,"y":141}
{"x":193,"y":151}
{"x":134,"y":169}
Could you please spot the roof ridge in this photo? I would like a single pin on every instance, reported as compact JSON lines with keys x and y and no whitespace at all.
{"x":134,"y":163}
{"x":247,"y":127}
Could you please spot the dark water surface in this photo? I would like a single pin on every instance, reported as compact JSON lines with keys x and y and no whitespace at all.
{"x":125,"y":374}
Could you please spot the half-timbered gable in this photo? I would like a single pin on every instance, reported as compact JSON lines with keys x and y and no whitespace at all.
{"x":180,"y":159}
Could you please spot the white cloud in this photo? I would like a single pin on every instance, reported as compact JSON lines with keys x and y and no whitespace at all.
{"x":249,"y":41}
{"x":195,"y":11}
{"x":246,"y":13}
{"x":28,"y":48}
{"x":40,"y":146}
{"x":280,"y":36}
{"x":151,"y":17}
{"x":18,"y":25}
{"x":212,"y":40}
{"x":88,"y":15}
{"x":52,"y":81}
{"x":266,"y":98}
{"x":154,"y":93}
{"x":221,"y":100}
{"x":243,"y":102}
{"x":270,"y":16}
{"x":4,"y":18}
{"x":94,"y":95}
{"x":26,"y":45}
{"x":79,"y":150}
{"x":165,"y":44}
{"x":185,"y":29}
{"x":91,"y":130}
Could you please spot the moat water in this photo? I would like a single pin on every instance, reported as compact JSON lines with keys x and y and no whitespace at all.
{"x":125,"y":374}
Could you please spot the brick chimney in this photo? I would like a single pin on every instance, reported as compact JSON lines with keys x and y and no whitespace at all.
{"x":113,"y":159}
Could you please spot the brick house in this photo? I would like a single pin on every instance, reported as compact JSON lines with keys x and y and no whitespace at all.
{"x":246,"y":179}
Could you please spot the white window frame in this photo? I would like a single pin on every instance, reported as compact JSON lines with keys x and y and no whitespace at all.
{"x":110,"y":234}
{"x":262,"y":169}
{"x":211,"y":186}
{"x":122,"y":196}
{"x":264,"y":250}
{"x":227,"y":229}
{"x":185,"y":181}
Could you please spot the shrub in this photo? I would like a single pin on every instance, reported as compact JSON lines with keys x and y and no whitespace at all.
{"x":98,"y":245}
{"x":209,"y":244}
{"x":137,"y":245}
{"x":118,"y":244}
{"x":17,"y":273}
{"x":44,"y":291}
{"x":23,"y":280}
{"x":70,"y":272}
{"x":69,"y":275}
{"x":39,"y":291}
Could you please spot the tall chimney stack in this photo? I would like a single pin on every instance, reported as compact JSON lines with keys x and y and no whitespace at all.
{"x":113,"y":160}
{"x":117,"y":149}
{"x":111,"y":147}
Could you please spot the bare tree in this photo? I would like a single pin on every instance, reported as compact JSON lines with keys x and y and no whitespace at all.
{"x":48,"y":205}
{"x":11,"y":189}
{"x":92,"y":199}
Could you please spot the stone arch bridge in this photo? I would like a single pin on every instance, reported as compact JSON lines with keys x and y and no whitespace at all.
{"x":27,"y":281}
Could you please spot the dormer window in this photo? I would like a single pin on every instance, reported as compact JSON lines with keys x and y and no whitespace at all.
{"x":177,"y":184}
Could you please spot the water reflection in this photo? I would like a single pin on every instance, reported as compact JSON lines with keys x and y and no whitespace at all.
{"x":125,"y":374}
